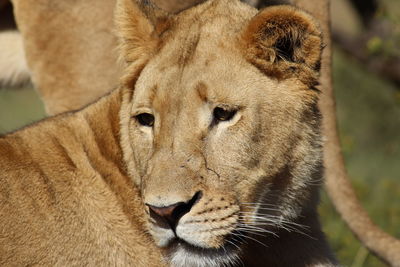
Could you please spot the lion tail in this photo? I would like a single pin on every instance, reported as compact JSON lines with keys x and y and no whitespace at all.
{"x":14,"y":70}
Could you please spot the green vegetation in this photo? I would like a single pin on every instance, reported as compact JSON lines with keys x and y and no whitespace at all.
{"x":19,"y":107}
{"x":369,"y":116}
{"x":369,"y":122}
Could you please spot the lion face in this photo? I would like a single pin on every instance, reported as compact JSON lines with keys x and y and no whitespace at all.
{"x":223,"y":139}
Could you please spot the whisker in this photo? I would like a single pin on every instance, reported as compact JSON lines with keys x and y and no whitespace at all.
{"x":257,"y":233}
{"x":236,"y":260}
{"x":274,"y":218}
{"x":255,"y":217}
{"x":259,"y":220}
{"x":233,"y":244}
{"x":255,"y":227}
{"x":264,"y":208}
{"x":255,"y":204}
{"x":252,"y":231}
{"x":276,"y":222}
{"x":253,"y":239}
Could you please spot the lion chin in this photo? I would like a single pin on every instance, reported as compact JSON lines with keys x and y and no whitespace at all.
{"x":185,"y":254}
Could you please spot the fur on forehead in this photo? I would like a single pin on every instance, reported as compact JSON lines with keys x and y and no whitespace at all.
{"x":141,"y":28}
{"x":281,"y":41}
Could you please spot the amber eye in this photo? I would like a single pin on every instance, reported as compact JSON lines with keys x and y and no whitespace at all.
{"x":145,"y":119}
{"x":221,"y":114}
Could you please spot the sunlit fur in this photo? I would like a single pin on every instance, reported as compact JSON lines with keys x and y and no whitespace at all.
{"x":13,"y":68}
{"x":75,"y":189}
{"x":258,"y":172}
{"x":53,"y":31}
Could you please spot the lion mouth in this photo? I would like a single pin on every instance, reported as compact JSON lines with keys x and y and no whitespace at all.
{"x":196,"y":239}
{"x":183,"y":253}
{"x":229,"y":243}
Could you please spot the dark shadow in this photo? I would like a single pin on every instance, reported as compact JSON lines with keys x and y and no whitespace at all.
{"x":7,"y":21}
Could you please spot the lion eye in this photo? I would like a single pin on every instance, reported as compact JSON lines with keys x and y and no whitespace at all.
{"x":145,"y":119}
{"x":221,"y":114}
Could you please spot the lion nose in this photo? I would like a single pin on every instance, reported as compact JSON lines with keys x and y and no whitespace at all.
{"x":172,"y":213}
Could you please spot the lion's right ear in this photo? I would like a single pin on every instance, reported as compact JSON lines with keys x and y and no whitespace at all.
{"x":136,"y":26}
{"x":284,"y":42}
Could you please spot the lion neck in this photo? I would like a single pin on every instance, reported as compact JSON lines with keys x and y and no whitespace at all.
{"x":300,"y":244}
{"x":103,"y":150}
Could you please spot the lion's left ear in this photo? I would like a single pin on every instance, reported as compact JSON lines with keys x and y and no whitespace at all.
{"x":284,"y":42}
{"x":137,"y":25}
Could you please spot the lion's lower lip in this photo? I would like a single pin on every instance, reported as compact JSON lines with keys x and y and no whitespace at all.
{"x":232,"y":242}
{"x":178,"y":242}
{"x":193,"y":248}
{"x":187,"y":245}
{"x":182,"y":253}
{"x":183,"y":243}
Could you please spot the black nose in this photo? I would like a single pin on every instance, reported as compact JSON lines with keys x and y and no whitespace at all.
{"x":172,"y":213}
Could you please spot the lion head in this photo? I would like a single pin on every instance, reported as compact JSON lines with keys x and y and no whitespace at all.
{"x":219,"y":123}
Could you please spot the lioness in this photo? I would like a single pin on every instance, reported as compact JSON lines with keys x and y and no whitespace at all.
{"x":208,"y":154}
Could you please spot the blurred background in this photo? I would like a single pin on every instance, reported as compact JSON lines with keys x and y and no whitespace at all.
{"x":366,"y":72}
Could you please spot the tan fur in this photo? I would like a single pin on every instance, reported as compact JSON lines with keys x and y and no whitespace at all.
{"x":78,"y":94}
{"x":71,"y":48}
{"x":87,"y":68}
{"x":13,"y":67}
{"x":75,"y":189}
{"x":75,"y":206}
